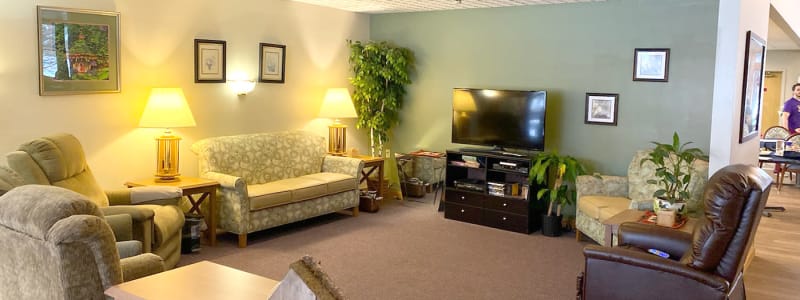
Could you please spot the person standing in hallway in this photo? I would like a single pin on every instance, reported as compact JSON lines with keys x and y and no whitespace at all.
{"x":790,"y":117}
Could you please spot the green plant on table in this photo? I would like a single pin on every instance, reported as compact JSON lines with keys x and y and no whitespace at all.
{"x":674,"y":165}
{"x":565,"y":170}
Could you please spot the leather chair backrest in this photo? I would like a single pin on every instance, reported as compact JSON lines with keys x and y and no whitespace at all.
{"x":734,"y":199}
{"x":57,"y":160}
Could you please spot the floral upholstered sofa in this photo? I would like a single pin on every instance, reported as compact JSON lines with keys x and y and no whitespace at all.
{"x":271,"y":179}
{"x":602,"y":197}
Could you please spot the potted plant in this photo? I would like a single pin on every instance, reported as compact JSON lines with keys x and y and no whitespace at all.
{"x":380,"y":73}
{"x":674,"y":168}
{"x":564,"y":169}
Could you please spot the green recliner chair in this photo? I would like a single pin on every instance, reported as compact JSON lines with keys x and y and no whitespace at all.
{"x":59,"y":160}
{"x":56,"y":245}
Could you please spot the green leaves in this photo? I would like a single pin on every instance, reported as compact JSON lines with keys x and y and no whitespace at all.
{"x":380,"y":73}
{"x":563,"y":169}
{"x":674,"y":165}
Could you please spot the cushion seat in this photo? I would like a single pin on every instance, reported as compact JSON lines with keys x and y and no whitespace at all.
{"x":335,"y":182}
{"x":603,"y":207}
{"x":289,"y":190}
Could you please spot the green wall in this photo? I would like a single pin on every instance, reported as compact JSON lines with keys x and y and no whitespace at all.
{"x":568,"y":50}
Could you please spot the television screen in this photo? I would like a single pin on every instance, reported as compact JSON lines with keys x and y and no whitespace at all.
{"x":499,"y":118}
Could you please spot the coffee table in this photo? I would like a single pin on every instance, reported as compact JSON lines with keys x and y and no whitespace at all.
{"x":203,"y":280}
{"x":632,"y":215}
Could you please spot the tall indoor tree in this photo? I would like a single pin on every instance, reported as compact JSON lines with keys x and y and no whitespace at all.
{"x":381,"y":71}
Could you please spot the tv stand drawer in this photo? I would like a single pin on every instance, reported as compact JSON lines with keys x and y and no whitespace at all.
{"x":464,"y":213}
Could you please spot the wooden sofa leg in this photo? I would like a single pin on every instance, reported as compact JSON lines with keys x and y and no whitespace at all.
{"x":243,"y":240}
{"x":577,"y":235}
{"x":355,"y":211}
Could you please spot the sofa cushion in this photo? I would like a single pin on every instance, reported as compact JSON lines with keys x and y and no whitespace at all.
{"x":285,"y":191}
{"x":602,"y":207}
{"x":336,"y":182}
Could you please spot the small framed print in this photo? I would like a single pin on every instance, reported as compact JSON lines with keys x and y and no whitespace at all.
{"x":272,"y":63}
{"x":209,"y":61}
{"x":651,"y":64}
{"x":601,"y":109}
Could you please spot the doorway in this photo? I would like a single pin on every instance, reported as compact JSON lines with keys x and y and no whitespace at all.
{"x":773,"y":104}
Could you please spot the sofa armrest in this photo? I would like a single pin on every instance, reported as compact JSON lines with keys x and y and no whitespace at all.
{"x":142,"y":218}
{"x":344,"y":165}
{"x":226,"y":181}
{"x":140,"y":266}
{"x":159,"y":195}
{"x":602,"y":185}
{"x":122,"y":226}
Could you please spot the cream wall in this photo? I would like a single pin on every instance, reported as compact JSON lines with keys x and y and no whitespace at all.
{"x":157,"y":51}
{"x":736,"y":17}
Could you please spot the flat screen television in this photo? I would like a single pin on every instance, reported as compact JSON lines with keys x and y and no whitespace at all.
{"x":499,"y":118}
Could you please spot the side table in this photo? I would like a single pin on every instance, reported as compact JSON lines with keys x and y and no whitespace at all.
{"x":372,"y":164}
{"x":631,"y":215}
{"x":207,"y":189}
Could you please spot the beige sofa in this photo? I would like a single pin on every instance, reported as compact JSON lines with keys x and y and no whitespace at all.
{"x":271,"y":179}
{"x":602,"y":196}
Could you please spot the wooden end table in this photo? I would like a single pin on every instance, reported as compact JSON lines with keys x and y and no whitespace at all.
{"x":203,"y":280}
{"x":206,"y":188}
{"x":372,"y":164}
{"x":631,"y":215}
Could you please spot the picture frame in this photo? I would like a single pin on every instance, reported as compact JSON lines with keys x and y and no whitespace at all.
{"x":651,"y":64}
{"x":84,"y":62}
{"x":271,"y":63}
{"x":750,"y":119}
{"x":209,"y":61}
{"x":601,"y":109}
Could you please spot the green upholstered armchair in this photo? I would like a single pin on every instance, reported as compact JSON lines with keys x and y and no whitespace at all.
{"x":56,"y":245}
{"x":602,"y":196}
{"x":59,"y":160}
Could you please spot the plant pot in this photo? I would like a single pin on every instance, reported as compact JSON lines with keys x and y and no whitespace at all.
{"x":551,"y":225}
{"x":678,"y":207}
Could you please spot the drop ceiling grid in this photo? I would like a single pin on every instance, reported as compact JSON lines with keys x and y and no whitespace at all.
{"x":391,"y":6}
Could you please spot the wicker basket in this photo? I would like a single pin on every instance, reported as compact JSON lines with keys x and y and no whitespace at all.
{"x":369,"y":204}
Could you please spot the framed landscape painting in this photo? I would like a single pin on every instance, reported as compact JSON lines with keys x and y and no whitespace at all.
{"x":78,"y":51}
{"x":651,"y":64}
{"x":750,"y":121}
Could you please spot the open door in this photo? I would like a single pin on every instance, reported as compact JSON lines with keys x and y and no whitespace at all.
{"x":773,"y":104}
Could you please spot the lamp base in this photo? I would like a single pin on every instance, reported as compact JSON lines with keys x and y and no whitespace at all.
{"x":337,"y":137}
{"x":167,"y":178}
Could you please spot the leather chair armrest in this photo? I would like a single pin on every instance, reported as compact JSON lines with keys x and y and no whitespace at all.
{"x":644,"y":236}
{"x":140,"y":266}
{"x":610,"y":271}
{"x":122,"y":226}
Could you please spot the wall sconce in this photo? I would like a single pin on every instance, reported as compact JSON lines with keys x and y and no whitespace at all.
{"x":241,"y":86}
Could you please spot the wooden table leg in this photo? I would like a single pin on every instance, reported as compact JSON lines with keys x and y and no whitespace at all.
{"x":212,"y":218}
{"x":609,"y":232}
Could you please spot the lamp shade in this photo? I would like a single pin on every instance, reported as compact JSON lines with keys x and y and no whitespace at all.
{"x":167,"y":108}
{"x":337,"y":105}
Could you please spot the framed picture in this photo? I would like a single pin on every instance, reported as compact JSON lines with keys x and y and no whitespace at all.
{"x":751,"y":88}
{"x":209,"y":61}
{"x":651,"y":64}
{"x":272,"y":63}
{"x":78,"y":51}
{"x":601,"y":109}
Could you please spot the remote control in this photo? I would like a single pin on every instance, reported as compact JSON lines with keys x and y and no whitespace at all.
{"x":659,"y":253}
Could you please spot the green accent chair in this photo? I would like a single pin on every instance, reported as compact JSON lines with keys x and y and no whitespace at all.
{"x":57,"y":245}
{"x":59,"y":160}
{"x":600,"y":197}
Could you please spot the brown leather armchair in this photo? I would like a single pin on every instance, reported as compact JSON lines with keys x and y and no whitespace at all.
{"x":705,"y":265}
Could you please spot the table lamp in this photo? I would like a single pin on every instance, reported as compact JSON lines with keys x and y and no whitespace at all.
{"x":167,"y":108}
{"x":337,"y":105}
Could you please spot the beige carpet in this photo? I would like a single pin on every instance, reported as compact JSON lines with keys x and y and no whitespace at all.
{"x":407,"y":250}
